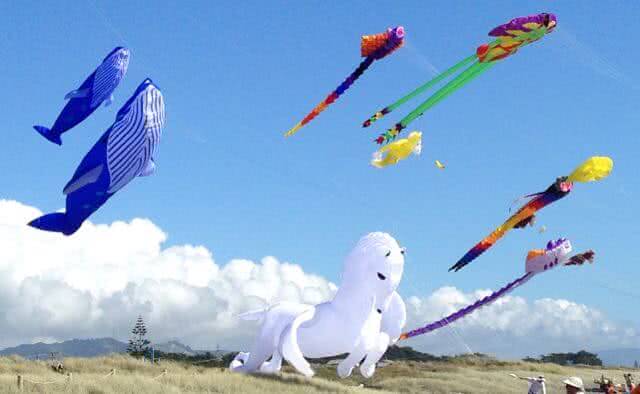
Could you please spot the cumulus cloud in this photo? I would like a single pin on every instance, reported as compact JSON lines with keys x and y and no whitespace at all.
{"x":98,"y":281}
{"x":515,"y":327}
{"x":95,"y":284}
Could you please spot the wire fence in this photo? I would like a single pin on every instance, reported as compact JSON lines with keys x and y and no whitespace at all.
{"x":68,"y":378}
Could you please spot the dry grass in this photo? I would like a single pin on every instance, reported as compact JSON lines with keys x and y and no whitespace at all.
{"x":133,"y":376}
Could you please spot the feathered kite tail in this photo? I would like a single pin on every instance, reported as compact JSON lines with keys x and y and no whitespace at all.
{"x":469,"y":309}
{"x":372,"y":47}
{"x":334,"y":95}
{"x":439,"y":78}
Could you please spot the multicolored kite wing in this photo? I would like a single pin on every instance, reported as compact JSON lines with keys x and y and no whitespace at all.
{"x":509,"y":38}
{"x":372,"y":47}
{"x":593,"y":169}
{"x":556,"y":253}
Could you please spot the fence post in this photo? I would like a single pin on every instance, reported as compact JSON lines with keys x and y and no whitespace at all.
{"x":20,"y":383}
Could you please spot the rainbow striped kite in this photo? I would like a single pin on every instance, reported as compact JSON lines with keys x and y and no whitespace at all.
{"x":372,"y":47}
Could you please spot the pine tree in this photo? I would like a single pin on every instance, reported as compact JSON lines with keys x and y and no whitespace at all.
{"x":138,"y":343}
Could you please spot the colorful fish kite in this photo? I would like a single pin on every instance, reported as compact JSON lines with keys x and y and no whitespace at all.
{"x":509,"y":38}
{"x":96,"y":89}
{"x":593,"y":169}
{"x":555,"y":254}
{"x":439,"y":165}
{"x":372,"y":47}
{"x":125,"y":151}
{"x":398,"y":150}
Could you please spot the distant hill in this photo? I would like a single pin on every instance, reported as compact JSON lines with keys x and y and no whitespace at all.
{"x":97,"y":347}
{"x":175,"y":347}
{"x":75,"y":348}
{"x":620,"y":357}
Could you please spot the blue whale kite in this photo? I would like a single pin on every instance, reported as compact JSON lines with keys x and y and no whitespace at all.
{"x":96,"y":89}
{"x":124,"y":152}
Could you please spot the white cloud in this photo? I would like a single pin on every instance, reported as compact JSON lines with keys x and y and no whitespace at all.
{"x":515,"y":327}
{"x":96,"y":282}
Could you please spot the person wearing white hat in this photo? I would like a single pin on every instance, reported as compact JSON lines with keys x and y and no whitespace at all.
{"x":574,"y":385}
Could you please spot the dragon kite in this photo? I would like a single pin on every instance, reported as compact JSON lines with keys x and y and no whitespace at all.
{"x":593,"y":169}
{"x":509,"y":38}
{"x":555,"y":254}
{"x":372,"y":47}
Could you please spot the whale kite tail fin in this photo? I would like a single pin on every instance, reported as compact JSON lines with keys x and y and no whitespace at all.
{"x":56,"y":222}
{"x":48,"y":134}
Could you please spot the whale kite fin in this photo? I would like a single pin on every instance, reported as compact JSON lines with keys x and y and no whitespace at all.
{"x":108,"y":101}
{"x":83,"y":180}
{"x":78,"y":93}
{"x":56,"y":222}
{"x":48,"y":134}
{"x":289,"y":345}
{"x":149,"y":169}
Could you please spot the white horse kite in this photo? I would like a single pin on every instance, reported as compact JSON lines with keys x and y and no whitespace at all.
{"x":364,"y":318}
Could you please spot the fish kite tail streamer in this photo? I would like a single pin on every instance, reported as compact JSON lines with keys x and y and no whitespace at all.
{"x":469,"y":309}
{"x":465,"y":77}
{"x":333,"y":96}
{"x":439,"y":78}
{"x":374,"y":47}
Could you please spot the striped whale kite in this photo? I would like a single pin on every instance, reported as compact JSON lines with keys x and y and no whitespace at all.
{"x":95,"y":90}
{"x":125,"y":151}
{"x":509,"y":37}
{"x":593,"y":169}
{"x":555,"y":254}
{"x":372,"y":47}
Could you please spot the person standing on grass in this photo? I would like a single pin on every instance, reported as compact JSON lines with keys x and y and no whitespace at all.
{"x":574,"y":385}
{"x":536,"y":385}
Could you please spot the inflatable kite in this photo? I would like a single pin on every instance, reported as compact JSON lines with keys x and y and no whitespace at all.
{"x":398,"y":150}
{"x":96,"y":89}
{"x":372,"y":48}
{"x":363,"y":319}
{"x":124,"y":152}
{"x":555,"y":254}
{"x":593,"y":169}
{"x":509,"y":38}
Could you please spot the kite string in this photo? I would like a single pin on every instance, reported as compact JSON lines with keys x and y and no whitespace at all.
{"x":107,"y":23}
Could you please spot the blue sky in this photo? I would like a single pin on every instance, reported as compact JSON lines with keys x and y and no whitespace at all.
{"x":237,"y":76}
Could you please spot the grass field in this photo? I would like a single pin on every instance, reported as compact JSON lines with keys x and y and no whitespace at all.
{"x":467,"y":375}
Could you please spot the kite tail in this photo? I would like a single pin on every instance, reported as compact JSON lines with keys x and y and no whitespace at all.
{"x":581,"y":258}
{"x":465,"y":77}
{"x":469,"y":309}
{"x":439,"y":78}
{"x":55,"y":222}
{"x":334,"y":95}
{"x":48,"y":134}
{"x":479,"y":248}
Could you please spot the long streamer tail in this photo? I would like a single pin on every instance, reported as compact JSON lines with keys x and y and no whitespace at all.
{"x":334,"y":95}
{"x":519,"y":218}
{"x":469,"y":309}
{"x":439,"y":78}
{"x":458,"y":82}
{"x":578,"y":259}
